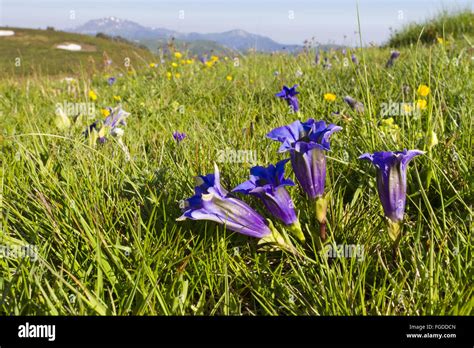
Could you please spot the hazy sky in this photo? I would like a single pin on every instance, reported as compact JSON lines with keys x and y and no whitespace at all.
{"x":286,"y":21}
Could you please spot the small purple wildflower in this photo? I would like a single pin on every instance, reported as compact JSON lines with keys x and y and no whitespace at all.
{"x":289,"y":94}
{"x":179,"y":137}
{"x":393,"y":56}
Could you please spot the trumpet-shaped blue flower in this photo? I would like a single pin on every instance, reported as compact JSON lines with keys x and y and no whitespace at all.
{"x":392,"y":180}
{"x":289,"y":94}
{"x":268,"y":184}
{"x":306,"y":142}
{"x":212,"y":202}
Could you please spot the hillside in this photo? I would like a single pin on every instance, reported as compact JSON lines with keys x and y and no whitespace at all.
{"x":444,"y":26}
{"x":32,"y":51}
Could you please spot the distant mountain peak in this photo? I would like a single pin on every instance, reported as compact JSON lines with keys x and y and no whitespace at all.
{"x":112,"y":19}
{"x":236,"y":39}
{"x":239,"y":32}
{"x":108,"y":22}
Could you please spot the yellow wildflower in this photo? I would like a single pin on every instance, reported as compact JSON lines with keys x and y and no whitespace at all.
{"x":117,"y":98}
{"x":92,"y":95}
{"x":421,"y":104}
{"x":105,"y":112}
{"x":178,"y":55}
{"x":229,"y":78}
{"x":329,"y":97}
{"x":423,"y":90}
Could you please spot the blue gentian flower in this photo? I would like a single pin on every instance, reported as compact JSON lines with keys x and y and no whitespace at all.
{"x":306,"y":142}
{"x":212,"y":202}
{"x":392,"y":182}
{"x":268,"y":184}
{"x":111,"y":80}
{"x":289,"y":94}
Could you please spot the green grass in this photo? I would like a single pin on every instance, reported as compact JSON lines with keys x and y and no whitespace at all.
{"x":105,"y":227}
{"x":446,"y":25}
{"x":38,"y":55}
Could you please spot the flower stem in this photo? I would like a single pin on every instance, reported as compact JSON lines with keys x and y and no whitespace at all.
{"x":322,"y":231}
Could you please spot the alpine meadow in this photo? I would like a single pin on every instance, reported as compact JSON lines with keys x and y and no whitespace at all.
{"x":316,"y":182}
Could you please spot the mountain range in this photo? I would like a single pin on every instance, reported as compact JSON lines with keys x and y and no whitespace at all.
{"x":237,"y":40}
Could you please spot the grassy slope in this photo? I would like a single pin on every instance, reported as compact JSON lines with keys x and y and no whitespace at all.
{"x":36,"y":49}
{"x":106,"y":229}
{"x":445,"y":25}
